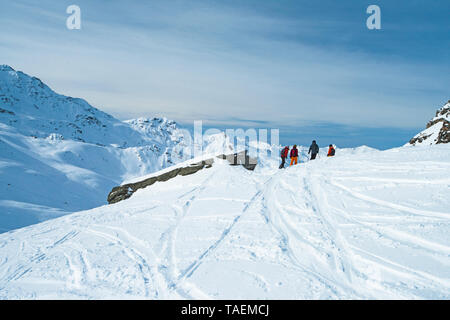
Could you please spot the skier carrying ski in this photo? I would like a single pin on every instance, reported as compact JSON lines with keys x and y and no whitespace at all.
{"x":331,"y":151}
{"x":284,"y":154}
{"x":313,"y":149}
{"x":294,"y":154}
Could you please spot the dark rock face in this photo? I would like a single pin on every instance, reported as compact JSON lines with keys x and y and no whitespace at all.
{"x":444,"y":133}
{"x":125,"y":191}
{"x":7,"y":112}
{"x":420,"y":139}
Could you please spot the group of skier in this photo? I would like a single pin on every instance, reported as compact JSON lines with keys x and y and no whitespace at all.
{"x":313,"y":150}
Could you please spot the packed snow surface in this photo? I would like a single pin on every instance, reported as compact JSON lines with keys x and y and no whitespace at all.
{"x":363,"y":225}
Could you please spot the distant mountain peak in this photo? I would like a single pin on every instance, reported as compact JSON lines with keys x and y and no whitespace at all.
{"x":5,"y":67}
{"x":437,"y":130}
{"x":34,"y":109}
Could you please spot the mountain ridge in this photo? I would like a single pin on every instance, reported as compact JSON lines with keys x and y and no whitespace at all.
{"x":75,"y":152}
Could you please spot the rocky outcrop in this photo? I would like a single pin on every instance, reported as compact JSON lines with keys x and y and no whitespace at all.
{"x":125,"y":191}
{"x":444,"y":133}
{"x":242,"y":159}
{"x":7,"y":112}
{"x":437,"y":130}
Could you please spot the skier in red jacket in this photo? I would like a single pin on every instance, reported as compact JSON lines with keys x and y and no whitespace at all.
{"x":284,"y":154}
{"x":331,"y":151}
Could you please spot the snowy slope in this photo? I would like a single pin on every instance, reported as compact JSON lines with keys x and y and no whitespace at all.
{"x":367,"y":224}
{"x":437,"y":130}
{"x":59,"y":154}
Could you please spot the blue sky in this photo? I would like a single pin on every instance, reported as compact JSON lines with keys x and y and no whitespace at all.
{"x":310,"y":68}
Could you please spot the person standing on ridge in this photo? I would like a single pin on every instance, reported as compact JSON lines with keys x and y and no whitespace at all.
{"x":313,"y":149}
{"x":284,"y":155}
{"x":331,"y":151}
{"x":294,"y":154}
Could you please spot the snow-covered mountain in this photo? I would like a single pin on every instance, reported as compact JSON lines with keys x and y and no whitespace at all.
{"x":365,"y":224}
{"x":59,"y":154}
{"x":437,"y":130}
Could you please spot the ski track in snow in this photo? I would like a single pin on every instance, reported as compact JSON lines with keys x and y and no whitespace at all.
{"x":190,"y":270}
{"x":335,"y":240}
{"x":283,"y":220}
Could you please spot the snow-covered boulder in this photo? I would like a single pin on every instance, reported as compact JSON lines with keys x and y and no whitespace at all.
{"x":126,"y":190}
{"x":438,"y":129}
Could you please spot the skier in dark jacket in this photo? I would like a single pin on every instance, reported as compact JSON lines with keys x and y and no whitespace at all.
{"x":313,"y":149}
{"x":284,"y":154}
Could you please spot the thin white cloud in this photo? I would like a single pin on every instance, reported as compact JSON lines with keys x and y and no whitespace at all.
{"x":218,"y":64}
